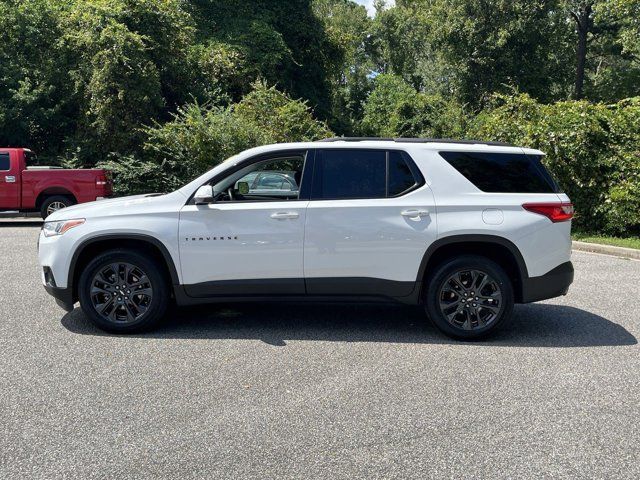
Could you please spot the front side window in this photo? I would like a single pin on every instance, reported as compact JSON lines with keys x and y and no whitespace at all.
{"x":5,"y":164}
{"x":365,"y":174}
{"x":273,"y":179}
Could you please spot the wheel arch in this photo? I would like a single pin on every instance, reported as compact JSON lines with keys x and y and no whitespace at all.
{"x":499,"y":249}
{"x":137,"y":242}
{"x":52,"y":191}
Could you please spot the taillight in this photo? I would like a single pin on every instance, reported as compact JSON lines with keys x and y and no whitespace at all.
{"x":556,"y":212}
{"x":101,"y":180}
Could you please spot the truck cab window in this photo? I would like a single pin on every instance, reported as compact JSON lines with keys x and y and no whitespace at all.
{"x":31,"y":159}
{"x":5,"y":164}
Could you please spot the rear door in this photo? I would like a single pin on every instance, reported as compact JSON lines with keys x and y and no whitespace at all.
{"x":369,"y":222}
{"x":9,"y":180}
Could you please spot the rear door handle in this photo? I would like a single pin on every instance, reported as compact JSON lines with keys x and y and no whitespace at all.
{"x":281,"y":215}
{"x":413,"y":213}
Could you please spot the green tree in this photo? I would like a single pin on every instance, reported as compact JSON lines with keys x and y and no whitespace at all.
{"x":471,"y":48}
{"x":283,"y":43}
{"x":199,"y":137}
{"x":130,"y":67}
{"x":37,"y":102}
{"x":279,"y":118}
{"x":395,"y":109}
{"x":348,"y":26}
{"x":608,"y":48}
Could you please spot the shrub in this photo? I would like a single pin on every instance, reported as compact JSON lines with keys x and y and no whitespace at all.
{"x":395,"y":109}
{"x":200,"y":137}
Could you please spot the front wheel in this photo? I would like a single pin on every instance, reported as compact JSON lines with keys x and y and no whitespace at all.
{"x":123,"y":291}
{"x":469,"y":297}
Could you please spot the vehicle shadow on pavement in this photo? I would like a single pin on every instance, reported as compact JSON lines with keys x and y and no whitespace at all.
{"x":534,"y":325}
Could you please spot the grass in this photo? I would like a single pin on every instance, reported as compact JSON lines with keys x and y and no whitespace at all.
{"x":629,"y":242}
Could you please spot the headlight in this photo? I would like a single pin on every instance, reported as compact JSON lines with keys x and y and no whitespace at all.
{"x":51,"y":229}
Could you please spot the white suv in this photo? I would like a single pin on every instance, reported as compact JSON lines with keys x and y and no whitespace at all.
{"x":464,"y":228}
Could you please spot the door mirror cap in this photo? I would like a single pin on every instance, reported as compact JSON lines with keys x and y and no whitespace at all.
{"x":204,"y":195}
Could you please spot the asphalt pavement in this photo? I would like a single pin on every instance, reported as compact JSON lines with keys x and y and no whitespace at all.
{"x":320,"y":391}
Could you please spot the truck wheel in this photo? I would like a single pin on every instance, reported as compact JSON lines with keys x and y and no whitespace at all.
{"x":54,"y":203}
{"x":123,"y":291}
{"x":468,"y":297}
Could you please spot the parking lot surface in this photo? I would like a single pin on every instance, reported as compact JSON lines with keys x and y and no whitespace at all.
{"x":320,"y":391}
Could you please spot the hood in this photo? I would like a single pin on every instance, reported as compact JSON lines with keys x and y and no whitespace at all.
{"x":118,"y":206}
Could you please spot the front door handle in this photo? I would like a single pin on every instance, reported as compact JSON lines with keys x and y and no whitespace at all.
{"x":10,"y":178}
{"x":414,"y":213}
{"x":281,"y":215}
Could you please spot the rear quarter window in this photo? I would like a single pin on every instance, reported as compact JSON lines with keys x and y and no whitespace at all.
{"x":503,"y":172}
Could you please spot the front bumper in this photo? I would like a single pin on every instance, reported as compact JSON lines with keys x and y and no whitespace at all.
{"x":63,"y":296}
{"x":552,"y":284}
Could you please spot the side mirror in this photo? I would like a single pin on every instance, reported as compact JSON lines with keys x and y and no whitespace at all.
{"x":243,"y":188}
{"x":204,"y":195}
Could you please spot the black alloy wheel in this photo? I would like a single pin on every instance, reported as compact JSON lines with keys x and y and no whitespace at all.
{"x":124,"y":291}
{"x":468,"y":297}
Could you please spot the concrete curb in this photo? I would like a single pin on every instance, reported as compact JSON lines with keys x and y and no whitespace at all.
{"x":606,"y":249}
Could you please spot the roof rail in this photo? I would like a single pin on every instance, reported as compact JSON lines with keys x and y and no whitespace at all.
{"x":415,"y":140}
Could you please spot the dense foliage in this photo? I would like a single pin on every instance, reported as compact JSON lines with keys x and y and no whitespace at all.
{"x":161,"y":90}
{"x":593,"y":150}
{"x":199,"y":137}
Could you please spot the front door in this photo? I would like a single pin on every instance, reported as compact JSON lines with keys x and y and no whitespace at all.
{"x":9,"y":182}
{"x":249,"y":241}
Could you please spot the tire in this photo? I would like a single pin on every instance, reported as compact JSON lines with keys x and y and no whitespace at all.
{"x":56,"y":202}
{"x":460,"y":315}
{"x":130,"y":312}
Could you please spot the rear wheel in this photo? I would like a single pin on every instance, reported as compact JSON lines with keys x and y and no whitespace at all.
{"x":123,"y":292}
{"x":53,"y":204}
{"x":469,"y":297}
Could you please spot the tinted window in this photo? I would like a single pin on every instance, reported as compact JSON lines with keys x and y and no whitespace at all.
{"x":400,"y":177}
{"x":4,"y":161}
{"x":502,"y":172}
{"x":351,"y":174}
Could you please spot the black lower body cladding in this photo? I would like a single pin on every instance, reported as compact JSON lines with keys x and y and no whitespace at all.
{"x":552,"y":284}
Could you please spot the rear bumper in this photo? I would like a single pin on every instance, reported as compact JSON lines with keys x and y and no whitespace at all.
{"x":63,"y":296}
{"x":552,"y":284}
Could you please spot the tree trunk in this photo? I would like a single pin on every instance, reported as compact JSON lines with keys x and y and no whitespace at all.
{"x":583,"y":26}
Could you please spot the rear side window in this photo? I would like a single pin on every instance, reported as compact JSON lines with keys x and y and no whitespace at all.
{"x":352,"y":174}
{"x":4,"y":161}
{"x":347,"y":174}
{"x":503,"y":172}
{"x":401,"y":177}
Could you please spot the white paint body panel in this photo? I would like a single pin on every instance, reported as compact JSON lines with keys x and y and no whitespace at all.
{"x":241,"y":241}
{"x":368,"y":238}
{"x":155,"y":216}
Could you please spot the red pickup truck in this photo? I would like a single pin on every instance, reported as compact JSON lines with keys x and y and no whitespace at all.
{"x":25,"y":186}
